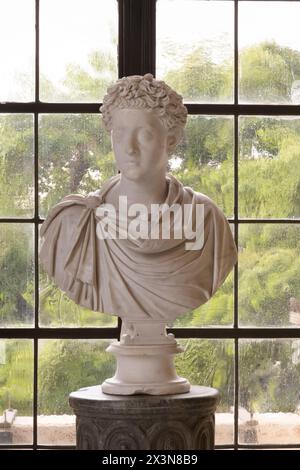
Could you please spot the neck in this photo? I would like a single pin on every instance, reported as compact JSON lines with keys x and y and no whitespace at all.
{"x":152,"y":191}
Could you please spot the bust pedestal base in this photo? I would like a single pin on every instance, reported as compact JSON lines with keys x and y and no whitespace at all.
{"x":145,"y":422}
{"x":145,"y":361}
{"x":145,"y":369}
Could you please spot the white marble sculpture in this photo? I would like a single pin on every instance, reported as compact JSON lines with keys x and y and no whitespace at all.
{"x":116,"y":257}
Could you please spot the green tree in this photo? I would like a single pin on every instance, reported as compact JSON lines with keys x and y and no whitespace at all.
{"x":16,"y":165}
{"x":16,"y":377}
{"x":268,"y":71}
{"x":209,"y":363}
{"x":269,"y":273}
{"x":75,"y":156}
{"x":66,"y":366}
{"x":269,"y":380}
{"x":16,"y":275}
{"x":83,"y":85}
{"x":199,"y":78}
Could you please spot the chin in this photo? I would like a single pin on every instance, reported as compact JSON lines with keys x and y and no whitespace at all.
{"x":133,"y":174}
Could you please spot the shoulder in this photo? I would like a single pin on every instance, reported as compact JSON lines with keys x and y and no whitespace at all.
{"x":210,"y":207}
{"x":69,"y":211}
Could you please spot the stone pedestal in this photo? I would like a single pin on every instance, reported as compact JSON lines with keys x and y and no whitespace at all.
{"x":142,"y":422}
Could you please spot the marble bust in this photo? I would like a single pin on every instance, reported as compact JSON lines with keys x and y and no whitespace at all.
{"x":143,"y":246}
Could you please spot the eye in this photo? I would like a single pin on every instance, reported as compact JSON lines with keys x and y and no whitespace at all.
{"x":145,"y":135}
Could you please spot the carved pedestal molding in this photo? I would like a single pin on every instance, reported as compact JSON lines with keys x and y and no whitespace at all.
{"x":140,"y":422}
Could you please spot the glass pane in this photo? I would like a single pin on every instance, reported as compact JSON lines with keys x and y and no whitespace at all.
{"x":64,"y":367}
{"x":195,"y":48}
{"x":269,"y":392}
{"x":16,"y":391}
{"x":269,"y":55}
{"x":210,"y":363}
{"x":78,"y":49}
{"x":16,"y":275}
{"x":16,"y":165}
{"x":269,"y":275}
{"x":17,"y":50}
{"x":204,"y":159}
{"x":75,"y":156}
{"x":269,"y":167}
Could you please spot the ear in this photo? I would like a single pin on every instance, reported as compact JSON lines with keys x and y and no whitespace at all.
{"x":173,"y":138}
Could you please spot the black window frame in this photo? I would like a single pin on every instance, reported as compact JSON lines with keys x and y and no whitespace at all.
{"x":136,"y":55}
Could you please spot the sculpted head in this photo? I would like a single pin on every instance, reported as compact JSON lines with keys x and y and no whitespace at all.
{"x":146,"y":119}
{"x":146,"y":93}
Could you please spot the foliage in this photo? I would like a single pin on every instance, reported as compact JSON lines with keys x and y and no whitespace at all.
{"x":16,"y":274}
{"x":269,"y":379}
{"x":16,"y":165}
{"x":75,"y":156}
{"x":209,"y":363}
{"x":67,"y":365}
{"x":16,"y":376}
{"x":198,"y":77}
{"x":267,"y":72}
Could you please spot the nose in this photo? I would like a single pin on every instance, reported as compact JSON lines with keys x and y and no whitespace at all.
{"x":130,"y":145}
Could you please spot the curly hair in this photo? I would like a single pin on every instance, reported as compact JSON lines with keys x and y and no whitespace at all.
{"x":145,"y":92}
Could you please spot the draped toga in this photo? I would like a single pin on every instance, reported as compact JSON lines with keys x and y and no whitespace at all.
{"x":135,"y":278}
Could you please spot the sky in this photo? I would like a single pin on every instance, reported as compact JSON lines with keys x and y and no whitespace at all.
{"x":70,"y":29}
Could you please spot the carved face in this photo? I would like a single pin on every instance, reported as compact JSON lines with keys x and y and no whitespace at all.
{"x":140,"y":142}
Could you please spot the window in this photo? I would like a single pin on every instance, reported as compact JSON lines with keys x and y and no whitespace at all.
{"x":237,"y":65}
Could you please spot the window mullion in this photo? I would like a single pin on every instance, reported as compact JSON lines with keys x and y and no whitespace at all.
{"x":136,"y":37}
